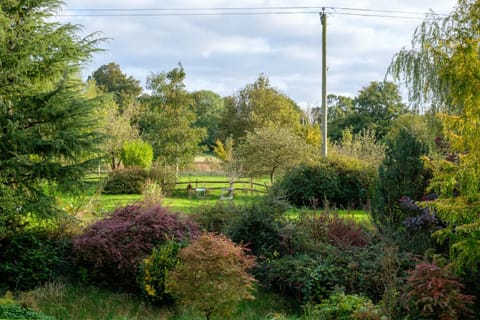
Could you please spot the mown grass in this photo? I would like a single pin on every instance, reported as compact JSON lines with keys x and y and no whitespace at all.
{"x":69,"y":302}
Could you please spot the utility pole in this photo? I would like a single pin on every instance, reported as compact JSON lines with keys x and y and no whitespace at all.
{"x":323,"y":18}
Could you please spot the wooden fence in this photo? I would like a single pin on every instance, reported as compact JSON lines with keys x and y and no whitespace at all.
{"x":194,"y":185}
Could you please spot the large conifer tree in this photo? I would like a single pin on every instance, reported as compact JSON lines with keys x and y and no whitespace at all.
{"x":47,"y":125}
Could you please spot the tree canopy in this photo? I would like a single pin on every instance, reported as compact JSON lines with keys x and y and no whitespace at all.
{"x":109,"y":78}
{"x":48,"y":131}
{"x":259,"y":105}
{"x":168,"y":118}
{"x":442,"y":70}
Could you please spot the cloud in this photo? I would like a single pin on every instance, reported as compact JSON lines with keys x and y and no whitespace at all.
{"x":224,"y":53}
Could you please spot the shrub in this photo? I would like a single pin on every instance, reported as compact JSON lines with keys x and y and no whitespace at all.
{"x":212,"y":276}
{"x":433,"y":292}
{"x":128,"y":180}
{"x":344,"y":233}
{"x":217,"y":217}
{"x":258,"y":226}
{"x":306,"y":278}
{"x":154,"y":269}
{"x":33,"y":257}
{"x":111,"y":249}
{"x":137,"y":153}
{"x":340,"y":306}
{"x":341,"y":181}
{"x":14,"y":311}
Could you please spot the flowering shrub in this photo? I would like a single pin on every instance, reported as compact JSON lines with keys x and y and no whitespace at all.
{"x":112,"y":248}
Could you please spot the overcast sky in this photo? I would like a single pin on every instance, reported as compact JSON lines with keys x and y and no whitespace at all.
{"x":223,"y":53}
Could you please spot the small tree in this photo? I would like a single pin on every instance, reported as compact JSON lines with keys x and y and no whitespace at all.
{"x":212,"y":275}
{"x":268,"y":150}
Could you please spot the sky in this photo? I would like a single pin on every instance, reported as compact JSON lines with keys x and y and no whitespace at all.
{"x":225,"y":52}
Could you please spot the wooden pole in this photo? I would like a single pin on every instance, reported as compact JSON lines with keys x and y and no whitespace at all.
{"x":323,"y":18}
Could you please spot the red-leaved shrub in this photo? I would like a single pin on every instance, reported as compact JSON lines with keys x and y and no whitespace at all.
{"x":433,"y":293}
{"x":111,"y":249}
{"x":344,"y":233}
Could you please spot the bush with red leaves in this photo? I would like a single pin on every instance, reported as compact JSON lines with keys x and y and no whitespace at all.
{"x":434,"y":293}
{"x":111,"y":249}
{"x":344,"y":233}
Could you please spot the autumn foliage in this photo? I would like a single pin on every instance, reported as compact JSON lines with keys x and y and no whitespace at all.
{"x":434,"y":293}
{"x":212,"y":275}
{"x":112,"y":248}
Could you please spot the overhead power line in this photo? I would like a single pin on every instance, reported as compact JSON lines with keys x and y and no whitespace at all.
{"x":241,"y":11}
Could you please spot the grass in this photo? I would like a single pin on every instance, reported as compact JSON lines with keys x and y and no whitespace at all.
{"x":65,"y":301}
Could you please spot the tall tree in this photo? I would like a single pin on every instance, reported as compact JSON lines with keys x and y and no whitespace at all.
{"x":209,"y":109}
{"x":259,"y":105}
{"x":48,"y":128}
{"x":376,"y":106}
{"x":340,"y":112}
{"x":168,"y":119}
{"x":109,"y":78}
{"x":442,"y":69}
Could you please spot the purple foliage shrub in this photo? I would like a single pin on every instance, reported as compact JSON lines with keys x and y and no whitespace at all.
{"x":111,"y":249}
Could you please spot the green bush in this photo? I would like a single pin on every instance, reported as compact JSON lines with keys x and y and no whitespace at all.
{"x":258,"y":225}
{"x":340,"y":306}
{"x":339,"y":181}
{"x":154,"y":269}
{"x":217,"y":217}
{"x":14,"y":311}
{"x":30,"y":258}
{"x":137,"y":153}
{"x":129,"y":180}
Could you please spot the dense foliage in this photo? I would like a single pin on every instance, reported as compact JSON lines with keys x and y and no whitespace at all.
{"x":49,"y":128}
{"x":342,"y":182}
{"x":112,"y":248}
{"x":32,"y":258}
{"x":130,"y":180}
{"x":154,"y":270}
{"x":137,"y":153}
{"x":212,"y":275}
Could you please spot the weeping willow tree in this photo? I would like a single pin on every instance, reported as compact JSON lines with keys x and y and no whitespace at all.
{"x":442,"y":69}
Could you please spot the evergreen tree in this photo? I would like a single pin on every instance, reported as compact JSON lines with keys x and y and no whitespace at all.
{"x":47,"y":134}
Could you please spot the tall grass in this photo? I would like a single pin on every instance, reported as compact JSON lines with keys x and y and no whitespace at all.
{"x":69,"y":302}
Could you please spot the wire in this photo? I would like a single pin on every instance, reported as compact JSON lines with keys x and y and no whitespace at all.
{"x":239,"y":11}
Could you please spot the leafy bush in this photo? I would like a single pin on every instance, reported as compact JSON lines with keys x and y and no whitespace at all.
{"x":212,"y":276}
{"x":340,"y":306}
{"x":311,"y":277}
{"x":343,"y":182}
{"x":344,"y":233}
{"x":129,"y":180}
{"x":154,"y":269}
{"x":137,"y":153}
{"x":111,"y":249}
{"x":14,"y":311}
{"x":434,"y":293}
{"x":306,"y":278}
{"x":30,"y":258}
{"x":258,"y":225}
{"x":217,"y":217}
